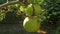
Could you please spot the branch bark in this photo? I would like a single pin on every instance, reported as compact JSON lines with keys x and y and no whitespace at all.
{"x":8,"y":3}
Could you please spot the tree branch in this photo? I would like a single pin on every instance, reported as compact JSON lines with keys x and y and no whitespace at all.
{"x":8,"y":3}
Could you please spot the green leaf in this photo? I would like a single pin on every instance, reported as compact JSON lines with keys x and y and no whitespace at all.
{"x":58,"y":30}
{"x":57,"y":1}
{"x":35,"y":1}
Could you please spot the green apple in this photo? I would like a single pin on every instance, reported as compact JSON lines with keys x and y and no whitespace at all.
{"x":38,"y":9}
{"x":29,"y":10}
{"x":31,"y":25}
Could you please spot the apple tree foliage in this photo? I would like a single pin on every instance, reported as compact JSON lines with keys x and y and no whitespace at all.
{"x":46,"y":12}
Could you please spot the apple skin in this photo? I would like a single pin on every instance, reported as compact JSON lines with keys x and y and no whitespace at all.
{"x":31,"y":25}
{"x":29,"y":11}
{"x":38,"y":9}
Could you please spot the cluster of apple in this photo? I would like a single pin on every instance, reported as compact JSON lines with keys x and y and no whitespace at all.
{"x":31,"y":23}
